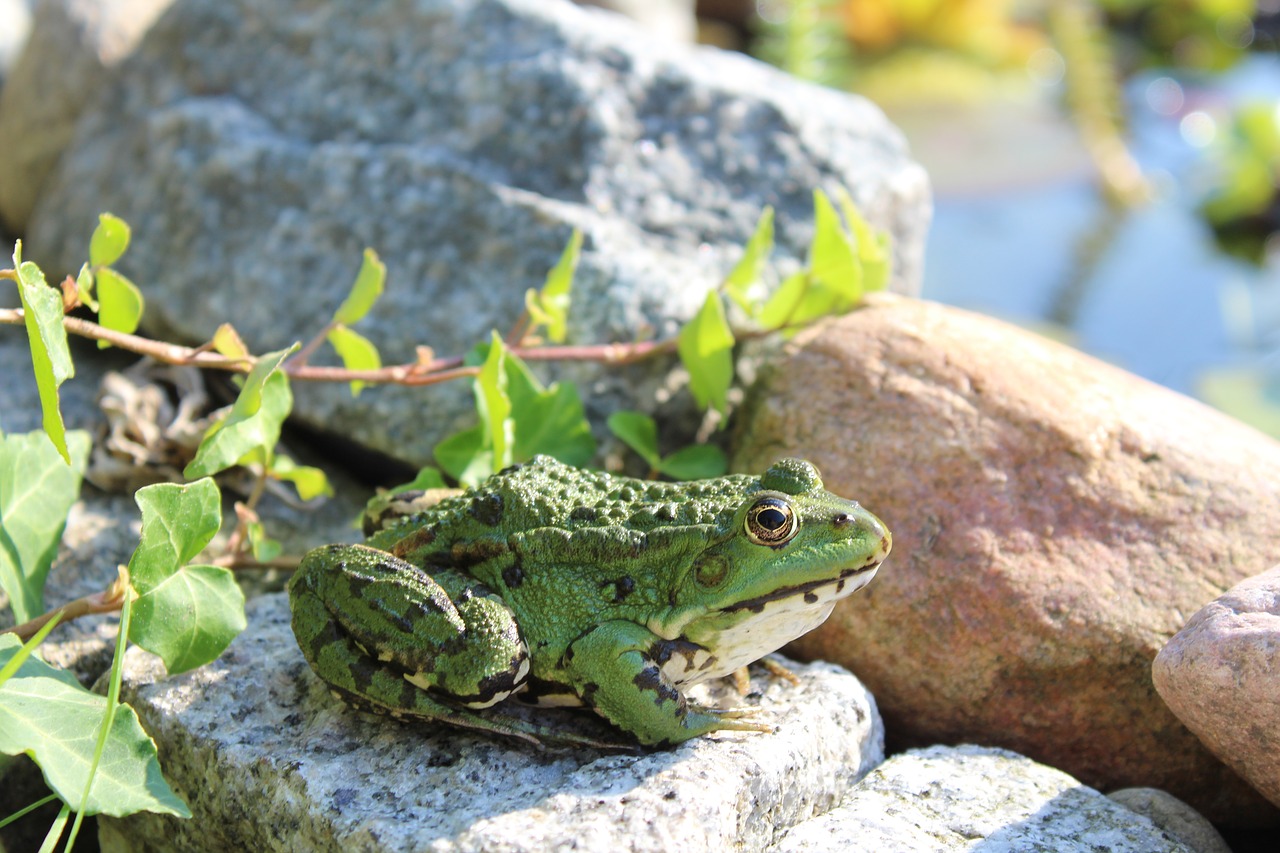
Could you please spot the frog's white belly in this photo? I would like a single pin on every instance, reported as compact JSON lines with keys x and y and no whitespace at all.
{"x":778,"y":623}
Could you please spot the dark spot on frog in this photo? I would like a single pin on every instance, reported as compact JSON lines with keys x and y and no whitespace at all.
{"x":810,"y":598}
{"x":420,"y":538}
{"x":622,"y":587}
{"x":650,"y":679}
{"x":585,"y":514}
{"x":588,"y":692}
{"x":487,"y":509}
{"x":511,"y":469}
{"x":513,"y":575}
{"x":467,"y":554}
{"x":839,"y":586}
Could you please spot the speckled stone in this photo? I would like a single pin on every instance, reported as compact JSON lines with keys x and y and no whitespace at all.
{"x":1055,"y":520}
{"x":974,"y":798}
{"x":1174,"y":817}
{"x":268,"y":760}
{"x":257,"y":147}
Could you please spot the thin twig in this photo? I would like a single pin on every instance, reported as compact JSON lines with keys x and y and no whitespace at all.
{"x":107,"y":601}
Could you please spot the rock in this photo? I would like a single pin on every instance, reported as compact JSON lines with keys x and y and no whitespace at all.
{"x":670,"y":19}
{"x":1174,"y":817}
{"x":975,"y":798}
{"x":1219,"y":675}
{"x":1054,"y":519}
{"x":268,"y":760}
{"x":73,"y":46}
{"x":258,"y":148}
{"x":15,"y":25}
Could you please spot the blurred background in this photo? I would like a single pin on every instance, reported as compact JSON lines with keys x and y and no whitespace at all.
{"x":1105,"y":172}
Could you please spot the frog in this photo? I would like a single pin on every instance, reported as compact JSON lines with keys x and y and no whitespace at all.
{"x":556,"y":586}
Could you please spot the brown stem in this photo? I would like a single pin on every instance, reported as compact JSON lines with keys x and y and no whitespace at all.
{"x":107,"y":601}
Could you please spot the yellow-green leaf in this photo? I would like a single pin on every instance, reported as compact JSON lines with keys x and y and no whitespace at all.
{"x":84,"y":287}
{"x":748,"y":269}
{"x":833,"y":264}
{"x":109,"y":240}
{"x":705,"y":345}
{"x":493,"y":403}
{"x":310,"y":482}
{"x":50,"y":357}
{"x":550,"y":306}
{"x":872,"y":246}
{"x":119,"y":303}
{"x":365,"y":291}
{"x":356,"y":351}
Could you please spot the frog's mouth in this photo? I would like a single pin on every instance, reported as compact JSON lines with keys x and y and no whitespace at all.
{"x":844,"y":586}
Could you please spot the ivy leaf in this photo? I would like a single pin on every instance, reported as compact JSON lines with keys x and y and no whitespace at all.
{"x":638,"y":431}
{"x":37,"y":489}
{"x":84,"y":287}
{"x":550,"y":306}
{"x":227,"y":342}
{"x":832,"y":260}
{"x":253,"y":423}
{"x":356,"y":351}
{"x":50,"y":358}
{"x":749,"y":268}
{"x":119,"y":303}
{"x":493,"y":404}
{"x":872,"y":246}
{"x":310,"y":482}
{"x":109,"y":240}
{"x":784,"y":303}
{"x":264,"y":548}
{"x":364,"y":291}
{"x":463,"y":456}
{"x":426,"y":478}
{"x":546,"y":420}
{"x":695,"y":462}
{"x":46,"y":714}
{"x":185,"y":614}
{"x":705,"y":345}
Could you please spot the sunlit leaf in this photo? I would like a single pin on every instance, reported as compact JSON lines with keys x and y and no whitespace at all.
{"x":550,"y":420}
{"x":253,"y":422}
{"x":364,"y":292}
{"x":264,"y":548}
{"x":84,"y":287}
{"x":45,"y":713}
{"x":119,"y":303}
{"x":185,"y":614}
{"x":37,"y":489}
{"x":638,"y":431}
{"x":356,"y":351}
{"x":464,"y":457}
{"x":695,"y":462}
{"x":309,"y":481}
{"x":550,"y":306}
{"x":833,"y":263}
{"x":50,"y":357}
{"x":749,"y":268}
{"x":227,"y":342}
{"x":705,"y":345}
{"x":872,"y":246}
{"x":426,"y":478}
{"x":109,"y":240}
{"x":493,"y":404}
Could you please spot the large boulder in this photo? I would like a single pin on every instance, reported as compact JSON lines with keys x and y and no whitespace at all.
{"x":1055,"y":519}
{"x":1219,"y":674}
{"x":257,"y":148}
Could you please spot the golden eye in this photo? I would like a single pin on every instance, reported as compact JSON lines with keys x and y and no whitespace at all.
{"x":771,"y":521}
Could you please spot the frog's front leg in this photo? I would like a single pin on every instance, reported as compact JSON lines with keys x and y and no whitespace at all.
{"x":615,"y":671}
{"x":383,"y":630}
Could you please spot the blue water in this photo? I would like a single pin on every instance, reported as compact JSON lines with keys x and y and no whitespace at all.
{"x":1161,"y":300}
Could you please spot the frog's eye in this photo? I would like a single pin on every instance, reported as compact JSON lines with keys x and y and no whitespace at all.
{"x":771,"y":521}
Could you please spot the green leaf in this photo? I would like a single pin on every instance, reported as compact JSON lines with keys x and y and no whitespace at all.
{"x":493,"y":404}
{"x":785,"y":301}
{"x":705,"y":345}
{"x":109,"y":240}
{"x":695,"y":462}
{"x":463,"y":456}
{"x":310,"y":482}
{"x":749,"y":268}
{"x":84,"y":287}
{"x":46,"y":714}
{"x":550,"y":306}
{"x":263,"y":546}
{"x":638,"y":431}
{"x":50,"y":358}
{"x":833,"y":263}
{"x":872,"y":246}
{"x":185,"y":614}
{"x":546,"y":420}
{"x":37,"y":490}
{"x":253,"y":425}
{"x":356,"y":351}
{"x":427,"y":478}
{"x":364,"y":292}
{"x":119,"y":303}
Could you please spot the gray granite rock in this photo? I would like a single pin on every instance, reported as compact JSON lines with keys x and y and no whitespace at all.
{"x":268,"y":760}
{"x":15,"y":25}
{"x":44,"y":97}
{"x":256,"y":148}
{"x":974,"y":798}
{"x":1174,"y":817}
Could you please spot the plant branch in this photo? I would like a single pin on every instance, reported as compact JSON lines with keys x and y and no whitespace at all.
{"x":107,"y":601}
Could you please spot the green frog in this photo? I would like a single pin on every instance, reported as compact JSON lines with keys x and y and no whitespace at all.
{"x":567,"y":587}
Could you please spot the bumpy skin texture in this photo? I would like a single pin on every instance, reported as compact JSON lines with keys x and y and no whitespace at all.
{"x":572,"y":587}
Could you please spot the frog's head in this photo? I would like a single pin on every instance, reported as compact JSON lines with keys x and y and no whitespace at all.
{"x":792,"y":551}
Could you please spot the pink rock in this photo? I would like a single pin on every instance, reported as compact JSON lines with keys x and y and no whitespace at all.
{"x":1221,"y":676}
{"x":1055,"y":519}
